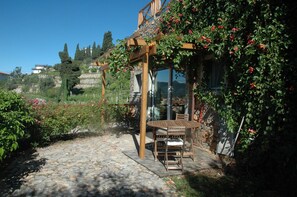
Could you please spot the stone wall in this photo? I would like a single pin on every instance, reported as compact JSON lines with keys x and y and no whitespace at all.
{"x":89,"y":80}
{"x":207,"y":135}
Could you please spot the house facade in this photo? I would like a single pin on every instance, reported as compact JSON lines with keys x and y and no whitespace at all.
{"x":38,"y":68}
{"x":3,"y":76}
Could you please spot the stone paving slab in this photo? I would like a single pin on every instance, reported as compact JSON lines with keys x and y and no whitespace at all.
{"x":202,"y":160}
{"x":93,"y":166}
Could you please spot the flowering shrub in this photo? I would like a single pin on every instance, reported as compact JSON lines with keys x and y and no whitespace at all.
{"x":15,"y":117}
{"x":54,"y":120}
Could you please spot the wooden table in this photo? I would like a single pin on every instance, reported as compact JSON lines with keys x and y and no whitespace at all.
{"x":164,"y":124}
{"x":167,"y":123}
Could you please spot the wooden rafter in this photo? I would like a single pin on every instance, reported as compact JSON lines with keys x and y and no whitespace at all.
{"x":142,"y":42}
{"x":136,"y":42}
{"x":137,"y":55}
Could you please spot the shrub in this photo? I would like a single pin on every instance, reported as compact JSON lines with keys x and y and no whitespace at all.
{"x":55,"y":120}
{"x":46,"y":83}
{"x":15,"y":117}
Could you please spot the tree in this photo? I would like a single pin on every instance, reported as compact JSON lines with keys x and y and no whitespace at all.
{"x":15,"y":78}
{"x":65,"y":48}
{"x":69,"y":72}
{"x":88,"y":52}
{"x":17,"y":73}
{"x":96,"y":50}
{"x":107,"y":42}
{"x":79,"y":54}
{"x":46,"y":83}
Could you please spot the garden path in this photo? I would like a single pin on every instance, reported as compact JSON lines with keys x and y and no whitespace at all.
{"x":91,"y":166}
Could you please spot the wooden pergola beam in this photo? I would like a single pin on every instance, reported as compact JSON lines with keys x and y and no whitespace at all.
{"x":138,"y":55}
{"x":136,"y":42}
{"x":189,"y":46}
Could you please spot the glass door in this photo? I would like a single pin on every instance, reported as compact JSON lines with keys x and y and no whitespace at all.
{"x":169,"y":96}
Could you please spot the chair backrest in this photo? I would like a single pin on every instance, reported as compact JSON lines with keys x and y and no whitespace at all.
{"x":182,"y":117}
{"x":176,"y":131}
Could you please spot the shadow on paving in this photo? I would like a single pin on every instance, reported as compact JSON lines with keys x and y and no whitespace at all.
{"x":202,"y":160}
{"x":15,"y":169}
{"x":107,"y":184}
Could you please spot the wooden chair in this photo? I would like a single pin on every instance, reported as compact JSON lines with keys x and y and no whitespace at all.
{"x":182,"y":117}
{"x":160,"y":134}
{"x":174,"y":147}
{"x":189,"y":146}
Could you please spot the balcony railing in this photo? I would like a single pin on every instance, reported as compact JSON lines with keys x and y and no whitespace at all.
{"x":151,"y":11}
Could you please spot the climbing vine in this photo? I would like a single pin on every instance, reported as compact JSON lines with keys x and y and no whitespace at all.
{"x":249,"y":37}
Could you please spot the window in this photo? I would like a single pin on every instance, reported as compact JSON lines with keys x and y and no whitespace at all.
{"x":213,"y":74}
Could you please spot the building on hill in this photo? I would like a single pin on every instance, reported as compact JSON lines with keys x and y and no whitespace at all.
{"x":3,"y":76}
{"x":38,"y":68}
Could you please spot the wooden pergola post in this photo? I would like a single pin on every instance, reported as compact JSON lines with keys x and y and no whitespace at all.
{"x":143,"y":111}
{"x":103,"y":68}
{"x":103,"y":93}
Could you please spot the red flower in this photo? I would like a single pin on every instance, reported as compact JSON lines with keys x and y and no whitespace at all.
{"x":208,"y":40}
{"x":180,"y":15}
{"x":213,"y":28}
{"x":251,"y":70}
{"x":262,"y":46}
{"x":252,"y":85}
{"x":203,"y":37}
{"x":234,"y":29}
{"x":176,"y":20}
{"x":250,"y":42}
{"x":205,"y":46}
{"x":221,"y":27}
{"x":232,"y":37}
{"x":252,"y":131}
{"x":190,"y":31}
{"x":235,"y":48}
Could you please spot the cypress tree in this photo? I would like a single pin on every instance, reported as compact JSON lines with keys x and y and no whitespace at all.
{"x":66,"y":49}
{"x":95,"y":51}
{"x":77,"y":53}
{"x":88,"y":52}
{"x":107,"y":42}
{"x":69,"y":72}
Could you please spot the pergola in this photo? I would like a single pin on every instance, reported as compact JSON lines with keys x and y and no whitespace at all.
{"x":142,"y":55}
{"x":146,"y":50}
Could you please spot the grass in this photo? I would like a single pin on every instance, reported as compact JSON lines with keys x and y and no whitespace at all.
{"x":214,"y":182}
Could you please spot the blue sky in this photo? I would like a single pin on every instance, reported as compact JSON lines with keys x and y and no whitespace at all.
{"x":34,"y":31}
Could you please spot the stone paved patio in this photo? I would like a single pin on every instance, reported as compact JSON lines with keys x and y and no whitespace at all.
{"x":203,"y":159}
